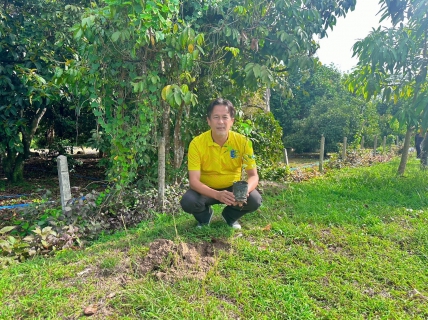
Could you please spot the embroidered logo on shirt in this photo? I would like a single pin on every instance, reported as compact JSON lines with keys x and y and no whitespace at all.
{"x":233,"y":154}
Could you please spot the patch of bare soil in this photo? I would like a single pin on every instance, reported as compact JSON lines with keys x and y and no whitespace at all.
{"x":168,"y":261}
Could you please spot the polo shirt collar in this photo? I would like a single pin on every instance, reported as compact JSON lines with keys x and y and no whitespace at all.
{"x":211,"y":142}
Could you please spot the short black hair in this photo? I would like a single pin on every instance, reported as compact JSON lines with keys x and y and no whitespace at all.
{"x":221,"y":102}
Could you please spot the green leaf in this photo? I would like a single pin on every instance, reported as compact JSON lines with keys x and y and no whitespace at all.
{"x":78,"y":33}
{"x":256,"y":70}
{"x":228,"y":32}
{"x":201,"y":50}
{"x":165,"y":92}
{"x":183,"y":62}
{"x":12,"y":240}
{"x":184,"y":88}
{"x":58,"y":72}
{"x":177,"y":98}
{"x":188,"y":98}
{"x":249,"y":67}
{"x":200,"y":39}
{"x":4,"y":245}
{"x":115,"y":36}
{"x":154,"y":79}
{"x":7,"y":229}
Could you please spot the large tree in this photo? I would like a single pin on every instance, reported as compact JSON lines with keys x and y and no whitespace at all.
{"x":146,"y":61}
{"x":34,"y":45}
{"x":393,"y":64}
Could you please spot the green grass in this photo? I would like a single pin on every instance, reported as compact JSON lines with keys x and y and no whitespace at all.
{"x":350,"y":245}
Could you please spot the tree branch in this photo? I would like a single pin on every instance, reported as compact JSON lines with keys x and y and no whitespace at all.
{"x":35,"y":123}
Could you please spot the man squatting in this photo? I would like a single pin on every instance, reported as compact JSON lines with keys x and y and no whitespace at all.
{"x":215,"y":161}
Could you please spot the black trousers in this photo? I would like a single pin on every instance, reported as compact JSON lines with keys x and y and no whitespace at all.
{"x":194,"y":203}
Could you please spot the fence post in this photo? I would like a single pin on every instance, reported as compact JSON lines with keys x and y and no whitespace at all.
{"x":285,"y":157}
{"x":161,"y":173}
{"x":64,"y":182}
{"x":375,"y":145}
{"x":322,"y":153}
{"x":345,"y":140}
{"x":362,"y":142}
{"x":397,"y":142}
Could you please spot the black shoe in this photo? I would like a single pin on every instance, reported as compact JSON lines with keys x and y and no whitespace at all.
{"x":204,"y":220}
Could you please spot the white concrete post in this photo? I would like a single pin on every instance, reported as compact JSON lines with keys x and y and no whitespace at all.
{"x":285,"y":156}
{"x":64,"y":181}
{"x":322,"y":153}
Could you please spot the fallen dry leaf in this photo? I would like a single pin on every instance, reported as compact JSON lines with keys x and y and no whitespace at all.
{"x":267,"y":228}
{"x":84,"y":271}
{"x":90,"y":310}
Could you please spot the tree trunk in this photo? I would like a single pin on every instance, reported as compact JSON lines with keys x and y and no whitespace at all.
{"x":162,"y":157}
{"x":424,"y":151}
{"x":178,"y":141}
{"x":405,"y":153}
{"x":161,"y":173}
{"x":13,"y":166}
{"x":166,"y":128}
{"x":266,"y":98}
{"x":13,"y":163}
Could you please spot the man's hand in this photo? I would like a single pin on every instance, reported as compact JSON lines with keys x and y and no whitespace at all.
{"x":226,"y":197}
{"x":240,"y":203}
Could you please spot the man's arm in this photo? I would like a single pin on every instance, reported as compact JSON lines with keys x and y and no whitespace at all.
{"x":253,"y":179}
{"x":224,"y":196}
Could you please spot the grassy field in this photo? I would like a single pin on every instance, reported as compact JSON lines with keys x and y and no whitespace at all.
{"x":352,"y":245}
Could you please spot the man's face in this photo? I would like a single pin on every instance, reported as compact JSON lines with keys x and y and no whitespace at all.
{"x":220,"y":121}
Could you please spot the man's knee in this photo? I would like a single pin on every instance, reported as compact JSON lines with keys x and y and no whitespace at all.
{"x":186,"y":203}
{"x":254,"y":201}
{"x":189,"y":201}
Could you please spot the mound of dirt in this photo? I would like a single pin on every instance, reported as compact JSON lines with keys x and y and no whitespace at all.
{"x":169,"y":261}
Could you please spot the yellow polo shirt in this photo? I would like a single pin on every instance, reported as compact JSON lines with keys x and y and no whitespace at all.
{"x":220,"y":166}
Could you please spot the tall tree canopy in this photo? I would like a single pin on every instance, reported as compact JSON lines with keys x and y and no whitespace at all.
{"x":393,"y":64}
